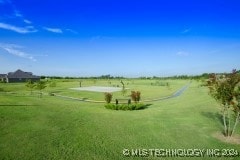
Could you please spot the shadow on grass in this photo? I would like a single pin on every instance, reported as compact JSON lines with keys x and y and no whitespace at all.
{"x":15,"y":94}
{"x":145,"y":106}
{"x":214,"y":116}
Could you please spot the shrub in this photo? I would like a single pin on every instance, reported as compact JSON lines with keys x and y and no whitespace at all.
{"x":125,"y":107}
{"x":136,"y":96}
{"x":110,"y":106}
{"x":108,"y":97}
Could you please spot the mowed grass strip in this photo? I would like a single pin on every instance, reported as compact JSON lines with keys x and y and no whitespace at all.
{"x":54,"y":128}
{"x":147,"y":90}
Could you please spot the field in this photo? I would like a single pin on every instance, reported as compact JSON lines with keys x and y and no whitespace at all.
{"x":52,"y":127}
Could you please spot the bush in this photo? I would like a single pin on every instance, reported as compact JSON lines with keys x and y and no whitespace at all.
{"x":108,"y":97}
{"x":51,"y":94}
{"x":136,"y":96}
{"x":110,"y":106}
{"x":125,"y":107}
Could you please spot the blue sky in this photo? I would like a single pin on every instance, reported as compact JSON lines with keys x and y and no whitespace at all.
{"x":119,"y":37}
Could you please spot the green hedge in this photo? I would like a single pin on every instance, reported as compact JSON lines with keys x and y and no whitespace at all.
{"x":136,"y":106}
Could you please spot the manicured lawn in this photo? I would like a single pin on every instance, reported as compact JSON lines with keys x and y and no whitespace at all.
{"x":148,"y":91}
{"x":55,"y":128}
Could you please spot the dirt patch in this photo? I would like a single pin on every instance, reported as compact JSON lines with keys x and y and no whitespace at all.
{"x":234,"y":139}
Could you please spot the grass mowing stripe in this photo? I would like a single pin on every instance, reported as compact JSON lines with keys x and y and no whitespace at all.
{"x":54,"y":128}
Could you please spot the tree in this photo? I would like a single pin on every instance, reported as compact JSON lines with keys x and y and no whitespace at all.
{"x":136,"y":96}
{"x":40,"y":85}
{"x":108,"y":97}
{"x":123,"y":85}
{"x":80,"y":83}
{"x":30,"y":84}
{"x":225,"y":89}
{"x":124,"y":91}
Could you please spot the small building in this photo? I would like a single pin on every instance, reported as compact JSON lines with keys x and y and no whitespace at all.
{"x":19,"y":76}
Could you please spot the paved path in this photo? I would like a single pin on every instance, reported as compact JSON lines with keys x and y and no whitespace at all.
{"x":176,"y":94}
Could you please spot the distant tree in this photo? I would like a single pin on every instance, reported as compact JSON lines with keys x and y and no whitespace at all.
{"x":30,"y":84}
{"x":80,"y":83}
{"x":43,"y":77}
{"x":225,"y":89}
{"x":40,"y":85}
{"x":108,"y":97}
{"x":123,"y":85}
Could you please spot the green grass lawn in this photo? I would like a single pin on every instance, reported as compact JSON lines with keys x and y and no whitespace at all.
{"x":55,"y":128}
{"x":144,"y":86}
{"x":147,"y":90}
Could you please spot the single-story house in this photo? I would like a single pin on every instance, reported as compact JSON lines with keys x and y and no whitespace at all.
{"x":18,"y":76}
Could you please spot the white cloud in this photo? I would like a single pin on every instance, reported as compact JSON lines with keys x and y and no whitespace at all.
{"x":14,"y":14}
{"x":54,"y":30}
{"x":182,"y":53}
{"x":70,"y":30}
{"x":17,"y":14}
{"x":22,"y":30}
{"x":15,"y":50}
{"x":186,"y":30}
{"x":27,"y":21}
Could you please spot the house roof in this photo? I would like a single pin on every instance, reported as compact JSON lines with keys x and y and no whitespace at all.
{"x":21,"y":74}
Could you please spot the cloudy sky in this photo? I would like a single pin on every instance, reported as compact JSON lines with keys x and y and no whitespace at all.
{"x":119,"y":37}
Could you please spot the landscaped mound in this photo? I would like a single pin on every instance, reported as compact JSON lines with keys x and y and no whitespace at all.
{"x":135,"y":95}
{"x":136,"y":106}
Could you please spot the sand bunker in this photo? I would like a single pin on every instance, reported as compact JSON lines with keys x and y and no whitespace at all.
{"x":98,"y":89}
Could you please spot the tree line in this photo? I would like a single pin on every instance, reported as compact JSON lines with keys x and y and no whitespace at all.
{"x":108,"y":76}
